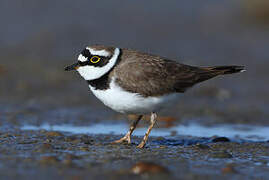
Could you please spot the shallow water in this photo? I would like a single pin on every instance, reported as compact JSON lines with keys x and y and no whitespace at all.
{"x":255,"y":133}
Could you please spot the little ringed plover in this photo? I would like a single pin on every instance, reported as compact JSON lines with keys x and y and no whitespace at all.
{"x":133,"y":82}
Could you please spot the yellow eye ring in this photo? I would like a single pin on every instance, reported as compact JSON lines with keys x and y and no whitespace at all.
{"x":95,"y":59}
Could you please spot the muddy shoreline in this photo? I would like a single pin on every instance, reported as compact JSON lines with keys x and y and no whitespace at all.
{"x":51,"y":154}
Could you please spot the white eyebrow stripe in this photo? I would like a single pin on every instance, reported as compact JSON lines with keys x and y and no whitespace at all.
{"x":99,"y":52}
{"x":82,"y":58}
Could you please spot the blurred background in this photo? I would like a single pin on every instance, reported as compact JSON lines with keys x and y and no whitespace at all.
{"x":40,"y":38}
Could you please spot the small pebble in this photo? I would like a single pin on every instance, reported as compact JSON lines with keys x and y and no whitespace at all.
{"x":221,"y":139}
{"x":229,"y":168}
{"x":53,"y":134}
{"x":148,"y":167}
{"x":86,"y":140}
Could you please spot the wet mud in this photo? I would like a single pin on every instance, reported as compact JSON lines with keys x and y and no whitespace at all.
{"x":51,"y":154}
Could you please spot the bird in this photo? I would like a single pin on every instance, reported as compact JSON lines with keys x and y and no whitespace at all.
{"x":133,"y":82}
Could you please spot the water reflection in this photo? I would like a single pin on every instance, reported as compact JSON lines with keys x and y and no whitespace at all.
{"x":255,"y":133}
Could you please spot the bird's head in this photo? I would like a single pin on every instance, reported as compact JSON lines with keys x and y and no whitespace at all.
{"x":95,"y":61}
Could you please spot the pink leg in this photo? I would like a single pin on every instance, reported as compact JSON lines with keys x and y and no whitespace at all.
{"x":153,"y":120}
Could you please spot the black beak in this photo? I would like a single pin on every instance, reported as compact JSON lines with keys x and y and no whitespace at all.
{"x":72,"y":67}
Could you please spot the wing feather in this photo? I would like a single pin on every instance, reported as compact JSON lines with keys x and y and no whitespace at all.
{"x":154,"y":76}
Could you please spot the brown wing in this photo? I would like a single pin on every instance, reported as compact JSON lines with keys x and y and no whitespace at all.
{"x":154,"y":76}
{"x":151,"y":75}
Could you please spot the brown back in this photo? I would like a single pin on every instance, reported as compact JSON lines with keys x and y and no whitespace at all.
{"x":151,"y":75}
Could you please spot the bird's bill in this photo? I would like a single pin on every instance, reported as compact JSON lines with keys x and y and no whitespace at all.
{"x":72,"y":67}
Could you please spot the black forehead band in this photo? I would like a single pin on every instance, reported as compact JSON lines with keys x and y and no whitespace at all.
{"x":86,"y":53}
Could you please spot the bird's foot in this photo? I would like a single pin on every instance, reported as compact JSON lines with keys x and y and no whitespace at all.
{"x":141,"y":145}
{"x":126,"y":138}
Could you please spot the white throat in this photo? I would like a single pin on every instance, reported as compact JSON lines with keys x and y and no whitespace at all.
{"x":91,"y":72}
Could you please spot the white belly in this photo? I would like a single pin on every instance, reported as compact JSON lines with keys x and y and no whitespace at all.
{"x":131,"y":103}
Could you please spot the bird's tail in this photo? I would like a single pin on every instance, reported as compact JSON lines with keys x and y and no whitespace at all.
{"x":206,"y":73}
{"x":200,"y":74}
{"x":220,"y":70}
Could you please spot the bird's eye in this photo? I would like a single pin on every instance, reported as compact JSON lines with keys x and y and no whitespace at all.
{"x":95,"y":59}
